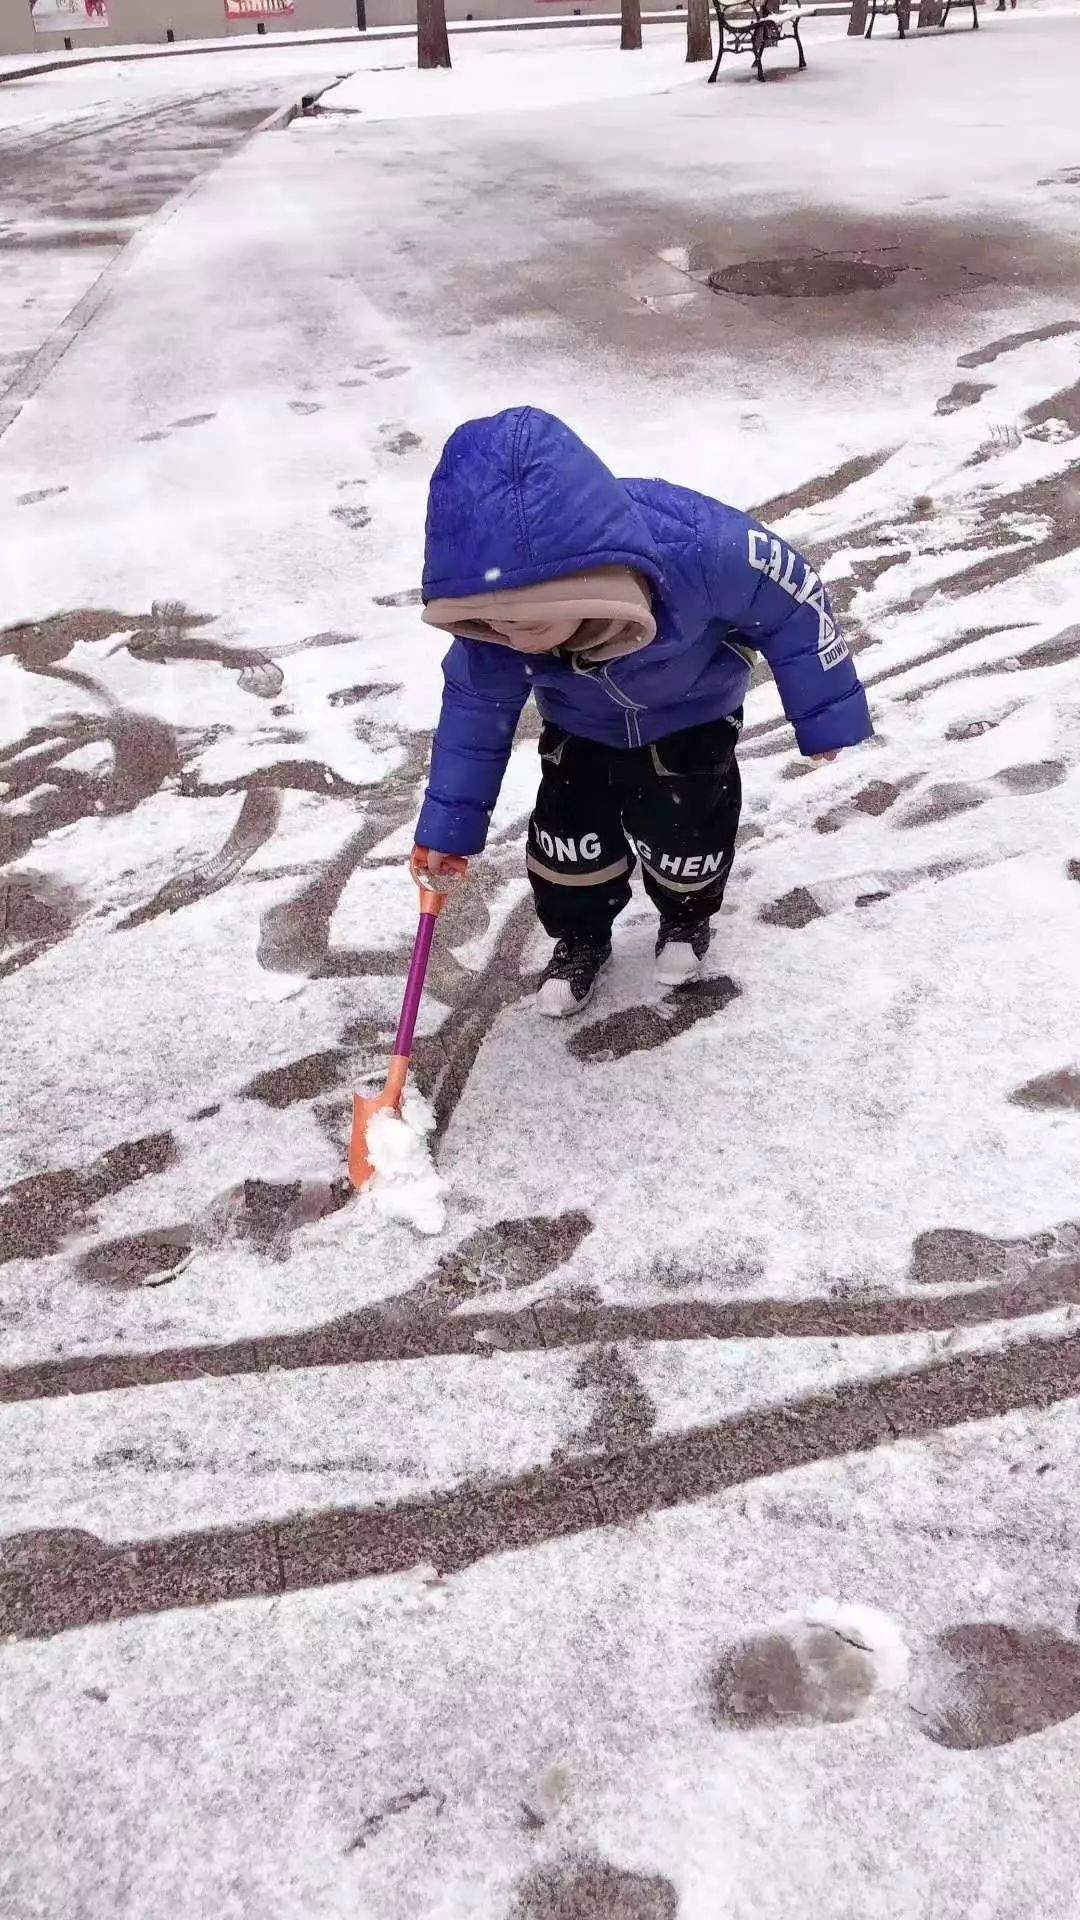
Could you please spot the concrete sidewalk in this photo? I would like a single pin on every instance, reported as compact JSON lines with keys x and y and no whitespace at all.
{"x":690,"y":1527}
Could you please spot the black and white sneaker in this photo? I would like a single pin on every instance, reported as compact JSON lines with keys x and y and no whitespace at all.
{"x":680,"y":952}
{"x":569,"y":979}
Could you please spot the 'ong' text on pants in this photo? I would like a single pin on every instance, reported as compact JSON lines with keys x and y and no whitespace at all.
{"x":674,"y":805}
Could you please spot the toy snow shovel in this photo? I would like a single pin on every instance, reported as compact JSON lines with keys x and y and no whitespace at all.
{"x":389,"y":1100}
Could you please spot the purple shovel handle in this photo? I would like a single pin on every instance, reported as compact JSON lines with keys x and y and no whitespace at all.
{"x":414,"y":986}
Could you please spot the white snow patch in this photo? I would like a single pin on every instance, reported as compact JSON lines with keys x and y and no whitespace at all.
{"x":874,"y":1632}
{"x":406,"y":1186}
{"x":511,"y":78}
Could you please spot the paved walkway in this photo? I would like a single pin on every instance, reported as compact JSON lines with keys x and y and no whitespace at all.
{"x":690,"y":1529}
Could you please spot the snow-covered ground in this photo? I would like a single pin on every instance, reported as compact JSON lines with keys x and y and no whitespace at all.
{"x":690,"y":1527}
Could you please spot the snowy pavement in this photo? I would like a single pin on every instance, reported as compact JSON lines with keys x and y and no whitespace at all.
{"x":691,"y":1527}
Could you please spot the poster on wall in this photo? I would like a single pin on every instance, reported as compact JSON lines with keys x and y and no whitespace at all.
{"x":256,"y":9}
{"x":68,"y":16}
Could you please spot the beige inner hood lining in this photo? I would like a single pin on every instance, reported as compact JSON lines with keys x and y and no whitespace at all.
{"x":601,"y":616}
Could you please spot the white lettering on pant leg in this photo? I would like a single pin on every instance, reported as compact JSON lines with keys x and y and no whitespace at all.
{"x":670,"y":863}
{"x":776,"y":560}
{"x":546,"y":842}
{"x":565,"y":850}
{"x":711,"y":863}
{"x":756,"y":560}
{"x":692,"y":867}
{"x":590,"y":846}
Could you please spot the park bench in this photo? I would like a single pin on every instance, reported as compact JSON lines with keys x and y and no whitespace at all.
{"x":901,"y":9}
{"x":749,"y":26}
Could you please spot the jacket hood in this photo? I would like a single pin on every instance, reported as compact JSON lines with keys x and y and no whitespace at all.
{"x":517,"y":498}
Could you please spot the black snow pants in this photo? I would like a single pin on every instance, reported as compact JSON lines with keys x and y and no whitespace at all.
{"x":674,"y":804}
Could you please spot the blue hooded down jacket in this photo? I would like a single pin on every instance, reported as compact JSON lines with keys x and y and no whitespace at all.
{"x":518,"y":498}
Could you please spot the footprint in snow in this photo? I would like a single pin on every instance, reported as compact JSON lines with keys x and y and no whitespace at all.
{"x":401,"y":442}
{"x":825,"y":1664}
{"x":355,"y":518}
{"x":944,"y":799}
{"x":590,"y":1889}
{"x":984,"y":1684}
{"x":640,"y":1029}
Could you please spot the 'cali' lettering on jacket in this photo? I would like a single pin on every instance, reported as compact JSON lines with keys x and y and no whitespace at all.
{"x":780,"y":564}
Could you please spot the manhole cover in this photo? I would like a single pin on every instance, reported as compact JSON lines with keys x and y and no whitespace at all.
{"x":807,"y":279}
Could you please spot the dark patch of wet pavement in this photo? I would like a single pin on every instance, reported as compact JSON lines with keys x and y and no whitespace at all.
{"x":715,"y":275}
{"x":1064,"y":405}
{"x":1010,"y":342}
{"x":942,"y":800}
{"x":38,"y":644}
{"x":794,"y":909}
{"x":85,"y":192}
{"x":1055,"y":498}
{"x":136,"y":1259}
{"x":56,"y":1581}
{"x":963,"y":393}
{"x":36,"y":912}
{"x":984,"y":1684}
{"x":642,"y":1029}
{"x":264,"y":1214}
{"x":623,"y":1413}
{"x":871,"y":801}
{"x":823,"y":488}
{"x":260,"y":1214}
{"x":1052,"y":1092}
{"x":955,"y":1256}
{"x":808,"y":1677}
{"x":586,"y":1888}
{"x":39,"y":1213}
{"x":991,"y":1280}
{"x":288,"y":776}
{"x":1033,"y":776}
{"x":143,"y":754}
{"x":303,"y":1079}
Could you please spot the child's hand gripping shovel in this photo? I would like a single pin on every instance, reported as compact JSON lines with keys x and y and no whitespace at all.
{"x":432,"y":902}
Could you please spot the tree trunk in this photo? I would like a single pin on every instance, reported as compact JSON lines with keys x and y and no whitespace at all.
{"x":930,"y":12}
{"x":631,"y":25}
{"x":857,"y":17}
{"x":432,"y":42}
{"x":698,"y":30}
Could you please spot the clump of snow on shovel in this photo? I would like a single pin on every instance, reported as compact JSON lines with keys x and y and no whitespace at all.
{"x":406,"y":1186}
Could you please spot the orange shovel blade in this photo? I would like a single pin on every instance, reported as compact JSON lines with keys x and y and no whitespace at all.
{"x":360,"y":1166}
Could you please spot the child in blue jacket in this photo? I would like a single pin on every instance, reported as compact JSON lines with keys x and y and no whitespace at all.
{"x":632,"y":610}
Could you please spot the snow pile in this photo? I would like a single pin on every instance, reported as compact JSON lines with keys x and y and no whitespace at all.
{"x":406,"y":1186}
{"x":487,"y":79}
